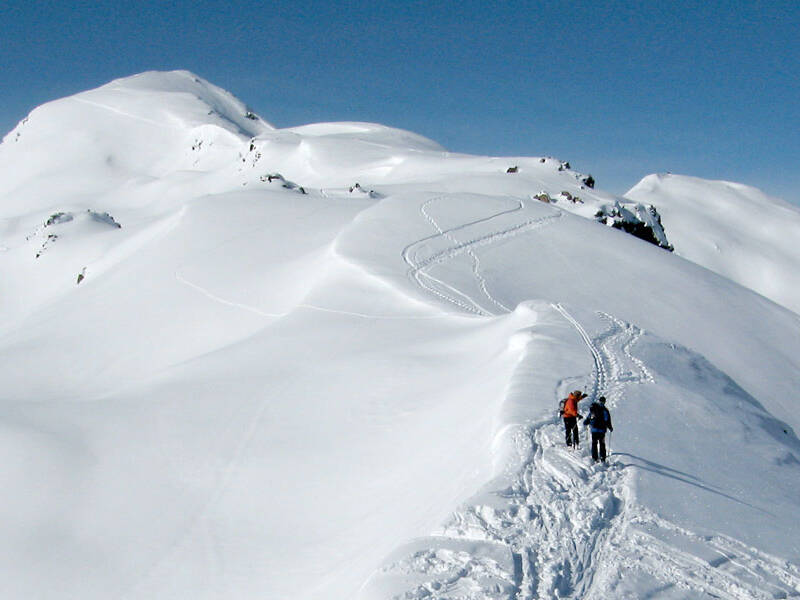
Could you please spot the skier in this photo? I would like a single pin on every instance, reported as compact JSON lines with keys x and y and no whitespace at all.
{"x":598,"y":422}
{"x":569,"y":410}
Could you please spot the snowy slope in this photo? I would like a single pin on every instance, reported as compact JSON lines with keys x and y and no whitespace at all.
{"x":273,"y":382}
{"x":733,"y":229}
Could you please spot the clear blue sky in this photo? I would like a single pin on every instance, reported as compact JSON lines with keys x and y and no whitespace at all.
{"x":620,"y":89}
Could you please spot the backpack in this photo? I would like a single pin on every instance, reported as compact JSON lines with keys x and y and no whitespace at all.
{"x":561,"y":406}
{"x":598,"y":415}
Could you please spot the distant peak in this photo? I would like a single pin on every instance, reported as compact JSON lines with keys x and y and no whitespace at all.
{"x":174,"y":97}
{"x":161,"y":81}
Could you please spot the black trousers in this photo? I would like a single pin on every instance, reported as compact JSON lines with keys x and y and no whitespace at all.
{"x":599,"y":439}
{"x":571,"y":430}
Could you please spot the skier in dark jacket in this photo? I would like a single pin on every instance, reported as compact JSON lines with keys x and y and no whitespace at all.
{"x":599,"y":421}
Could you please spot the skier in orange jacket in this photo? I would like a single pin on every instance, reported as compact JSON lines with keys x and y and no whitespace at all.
{"x":569,"y":410}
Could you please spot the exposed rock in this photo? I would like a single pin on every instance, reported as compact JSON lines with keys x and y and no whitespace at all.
{"x":57,"y":218}
{"x":642,"y":221}
{"x":567,"y":196}
{"x":279,"y":179}
{"x":371,"y":193}
{"x":104,"y":218}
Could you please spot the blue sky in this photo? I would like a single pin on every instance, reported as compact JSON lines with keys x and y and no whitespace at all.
{"x":619,"y":89}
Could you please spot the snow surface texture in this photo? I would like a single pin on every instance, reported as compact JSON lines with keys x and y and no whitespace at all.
{"x":324,"y":362}
{"x":733,"y":229}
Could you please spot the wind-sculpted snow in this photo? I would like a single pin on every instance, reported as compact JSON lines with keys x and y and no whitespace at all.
{"x":732,"y":229}
{"x":374,"y":133}
{"x":325,"y":361}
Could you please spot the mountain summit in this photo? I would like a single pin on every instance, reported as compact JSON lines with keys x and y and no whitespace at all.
{"x":325,"y":362}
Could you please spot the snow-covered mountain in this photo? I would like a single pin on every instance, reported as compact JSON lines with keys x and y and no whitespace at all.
{"x":733,"y":229}
{"x":325,"y":361}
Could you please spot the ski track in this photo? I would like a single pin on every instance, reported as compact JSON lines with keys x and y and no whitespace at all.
{"x":304,"y":305}
{"x":418,"y":269}
{"x":161,"y":125}
{"x":470,"y":252}
{"x":557,"y":516}
{"x":738,"y":572}
{"x":571,"y":528}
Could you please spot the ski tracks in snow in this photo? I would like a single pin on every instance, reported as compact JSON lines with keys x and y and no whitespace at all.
{"x":714,"y":566}
{"x":463,"y":240}
{"x":564,"y":527}
{"x":469,"y":250}
{"x":556,"y":518}
{"x":552,"y":525}
{"x":639,"y":540}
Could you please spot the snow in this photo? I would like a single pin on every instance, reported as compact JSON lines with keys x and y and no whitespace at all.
{"x":733,"y":229}
{"x":295,"y":387}
{"x":371,"y":133}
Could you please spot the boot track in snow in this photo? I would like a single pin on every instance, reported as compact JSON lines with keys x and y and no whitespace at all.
{"x":553,"y":525}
